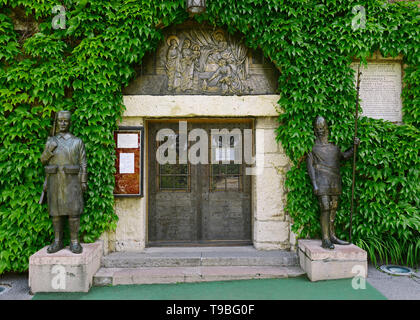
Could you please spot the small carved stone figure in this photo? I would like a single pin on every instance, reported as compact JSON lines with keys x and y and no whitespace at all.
{"x":196,"y":57}
{"x":172,"y":57}
{"x":64,"y":158}
{"x":223,"y":76}
{"x":323,"y":164}
{"x":188,"y":58}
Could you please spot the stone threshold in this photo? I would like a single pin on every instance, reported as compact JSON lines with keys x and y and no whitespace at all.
{"x":200,"y":256}
{"x":155,"y":275}
{"x":195,"y":264}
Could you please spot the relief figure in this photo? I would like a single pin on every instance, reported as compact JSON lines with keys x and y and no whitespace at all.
{"x":224,"y":77}
{"x":172,"y":63}
{"x":227,"y":78}
{"x":188,"y":58}
{"x":196,"y":54}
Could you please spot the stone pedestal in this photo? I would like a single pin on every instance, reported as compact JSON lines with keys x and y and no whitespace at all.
{"x":323,"y":264}
{"x":64,"y":271}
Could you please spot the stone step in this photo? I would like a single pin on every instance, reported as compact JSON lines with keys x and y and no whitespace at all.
{"x":154,"y":275}
{"x":199,"y":256}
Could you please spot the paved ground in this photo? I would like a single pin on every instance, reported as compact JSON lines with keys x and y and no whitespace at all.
{"x":395,"y":287}
{"x":392,"y":287}
{"x":16,"y":286}
{"x":299,"y":288}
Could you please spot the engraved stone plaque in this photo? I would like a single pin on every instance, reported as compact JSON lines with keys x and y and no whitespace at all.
{"x":202,"y":60}
{"x":380,"y":90}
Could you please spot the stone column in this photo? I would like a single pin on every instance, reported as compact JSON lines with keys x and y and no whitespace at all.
{"x":130,"y":234}
{"x":271,"y":224}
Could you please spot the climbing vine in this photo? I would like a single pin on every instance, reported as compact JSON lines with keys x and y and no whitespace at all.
{"x":84,"y":67}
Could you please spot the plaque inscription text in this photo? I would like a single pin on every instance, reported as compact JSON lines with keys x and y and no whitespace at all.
{"x":380,"y":90}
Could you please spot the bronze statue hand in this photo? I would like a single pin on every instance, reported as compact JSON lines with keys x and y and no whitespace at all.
{"x":356,"y":141}
{"x":84,"y":186}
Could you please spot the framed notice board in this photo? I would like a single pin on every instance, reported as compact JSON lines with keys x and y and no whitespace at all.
{"x":129,"y":142}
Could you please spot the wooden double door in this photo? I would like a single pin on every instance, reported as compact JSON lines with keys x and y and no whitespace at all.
{"x":204,"y":203}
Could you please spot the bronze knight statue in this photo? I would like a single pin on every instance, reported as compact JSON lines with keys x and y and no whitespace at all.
{"x":323,"y":164}
{"x":64,"y":158}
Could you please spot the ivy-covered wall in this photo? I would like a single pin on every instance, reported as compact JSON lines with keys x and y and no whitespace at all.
{"x":84,"y":67}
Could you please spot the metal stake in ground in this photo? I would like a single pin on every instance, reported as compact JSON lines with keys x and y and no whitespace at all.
{"x":356,"y":116}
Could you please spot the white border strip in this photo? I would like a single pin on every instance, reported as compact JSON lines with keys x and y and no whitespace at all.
{"x":201,"y":106}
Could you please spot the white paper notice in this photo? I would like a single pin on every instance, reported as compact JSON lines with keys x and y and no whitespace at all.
{"x":126,"y":162}
{"x":127,"y":140}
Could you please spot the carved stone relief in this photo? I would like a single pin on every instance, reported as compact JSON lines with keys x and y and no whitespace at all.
{"x":194,"y":59}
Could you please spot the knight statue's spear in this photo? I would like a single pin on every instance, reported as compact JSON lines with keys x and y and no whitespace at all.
{"x":356,"y":116}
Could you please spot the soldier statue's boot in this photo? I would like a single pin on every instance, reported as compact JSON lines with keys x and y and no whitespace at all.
{"x":326,"y":242}
{"x":75,"y":247}
{"x":333,"y":237}
{"x":57,"y":245}
{"x":74,"y":224}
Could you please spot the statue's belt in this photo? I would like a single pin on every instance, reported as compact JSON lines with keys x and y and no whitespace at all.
{"x":329,"y":170}
{"x":69,"y":169}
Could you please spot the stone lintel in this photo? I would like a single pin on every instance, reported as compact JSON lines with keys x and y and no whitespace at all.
{"x":201,"y":106}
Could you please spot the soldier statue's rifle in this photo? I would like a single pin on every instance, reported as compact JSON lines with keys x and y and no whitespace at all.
{"x":356,"y":116}
{"x":44,"y":188}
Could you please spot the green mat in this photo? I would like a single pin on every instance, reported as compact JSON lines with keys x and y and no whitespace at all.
{"x":263,"y":289}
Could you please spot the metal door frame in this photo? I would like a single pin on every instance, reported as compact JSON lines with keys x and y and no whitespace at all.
{"x":206,"y":243}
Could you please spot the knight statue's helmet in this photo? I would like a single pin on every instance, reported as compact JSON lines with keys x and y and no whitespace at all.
{"x":320,"y":122}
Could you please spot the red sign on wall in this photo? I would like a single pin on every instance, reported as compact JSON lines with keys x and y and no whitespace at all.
{"x":129,"y":143}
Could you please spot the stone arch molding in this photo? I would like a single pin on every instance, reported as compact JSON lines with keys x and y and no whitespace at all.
{"x":197,"y":59}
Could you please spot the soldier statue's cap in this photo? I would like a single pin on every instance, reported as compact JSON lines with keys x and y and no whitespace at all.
{"x":64,"y":112}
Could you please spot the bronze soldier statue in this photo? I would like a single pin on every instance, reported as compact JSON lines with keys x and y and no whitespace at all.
{"x":323,"y":164}
{"x":64,"y":158}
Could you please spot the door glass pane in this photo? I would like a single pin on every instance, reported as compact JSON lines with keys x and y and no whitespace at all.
{"x":173,"y":182}
{"x":232,"y":168}
{"x":173,"y":176}
{"x":173,"y":169}
{"x":232,"y":183}
{"x":226,"y":177}
{"x":165,"y":183}
{"x":218,"y":183}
